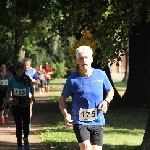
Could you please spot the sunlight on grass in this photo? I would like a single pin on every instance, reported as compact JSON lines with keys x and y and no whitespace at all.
{"x":53,"y":93}
{"x":120,"y":86}
{"x":57,"y":83}
{"x":124,"y":128}
{"x":59,"y":134}
{"x":123,"y":136}
{"x":59,"y":138}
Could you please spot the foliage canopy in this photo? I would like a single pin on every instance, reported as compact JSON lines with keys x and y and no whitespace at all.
{"x":110,"y":21}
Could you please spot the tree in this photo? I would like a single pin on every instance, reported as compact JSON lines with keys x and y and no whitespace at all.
{"x":138,"y":82}
{"x":29,"y":19}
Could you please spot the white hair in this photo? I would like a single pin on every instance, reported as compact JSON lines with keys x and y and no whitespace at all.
{"x":80,"y":49}
{"x":27,"y":60}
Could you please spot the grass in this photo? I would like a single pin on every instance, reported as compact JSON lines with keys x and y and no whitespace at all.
{"x":120,"y":86}
{"x":124,"y":128}
{"x":57,"y":83}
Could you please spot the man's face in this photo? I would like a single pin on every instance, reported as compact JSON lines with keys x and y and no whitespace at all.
{"x":85,"y":60}
{"x":27,"y":65}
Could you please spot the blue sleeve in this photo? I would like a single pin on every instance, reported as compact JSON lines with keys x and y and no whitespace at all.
{"x":66,"y":92}
{"x":106,"y":83}
{"x":35,"y":76}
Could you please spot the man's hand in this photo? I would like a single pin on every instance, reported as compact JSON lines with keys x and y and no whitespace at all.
{"x":68,"y":120}
{"x":33,"y":80}
{"x":103,"y":106}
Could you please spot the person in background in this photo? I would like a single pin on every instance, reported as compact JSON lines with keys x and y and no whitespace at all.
{"x":86,"y":89}
{"x":42,"y":74}
{"x":49,"y":72}
{"x":20,"y":86}
{"x":32,"y":73}
{"x":5,"y":76}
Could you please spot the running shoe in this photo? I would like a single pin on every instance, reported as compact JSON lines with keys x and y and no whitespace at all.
{"x":6,"y":119}
{"x":2,"y":120}
{"x":26,"y":144}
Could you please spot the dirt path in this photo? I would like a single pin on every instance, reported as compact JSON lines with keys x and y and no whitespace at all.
{"x":7,"y":130}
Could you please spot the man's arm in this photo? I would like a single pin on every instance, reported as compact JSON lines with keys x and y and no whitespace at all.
{"x":63,"y":109}
{"x":103,"y":106}
{"x":110,"y":95}
{"x":62,"y":105}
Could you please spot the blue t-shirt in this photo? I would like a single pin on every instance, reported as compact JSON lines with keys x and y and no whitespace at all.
{"x":19,"y":90}
{"x":87,"y":93}
{"x":32,"y":73}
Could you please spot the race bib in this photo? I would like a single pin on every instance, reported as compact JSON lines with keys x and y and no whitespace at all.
{"x":19,"y":92}
{"x":87,"y":114}
{"x":3,"y":82}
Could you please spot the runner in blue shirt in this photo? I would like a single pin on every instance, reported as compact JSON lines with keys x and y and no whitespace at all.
{"x":86,"y":89}
{"x":32,"y":73}
{"x":21,"y":86}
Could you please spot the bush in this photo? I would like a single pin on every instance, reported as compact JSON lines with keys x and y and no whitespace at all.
{"x":59,"y":70}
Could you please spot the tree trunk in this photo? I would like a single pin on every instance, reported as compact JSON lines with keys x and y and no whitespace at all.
{"x":137,"y":93}
{"x":19,"y":41}
{"x":139,"y":71}
{"x":126,"y":77}
{"x":117,"y":97}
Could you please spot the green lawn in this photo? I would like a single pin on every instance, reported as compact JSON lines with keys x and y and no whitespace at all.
{"x":57,"y":83}
{"x":123,"y":131}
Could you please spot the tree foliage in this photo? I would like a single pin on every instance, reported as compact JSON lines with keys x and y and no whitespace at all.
{"x":111,"y":22}
{"x":31,"y":19}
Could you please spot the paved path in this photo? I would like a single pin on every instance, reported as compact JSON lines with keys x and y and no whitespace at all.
{"x":7,"y":130}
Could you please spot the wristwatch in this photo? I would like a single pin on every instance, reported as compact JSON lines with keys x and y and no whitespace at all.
{"x":107,"y":102}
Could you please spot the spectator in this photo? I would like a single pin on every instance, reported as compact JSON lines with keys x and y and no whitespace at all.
{"x":42,"y":74}
{"x":49,"y":72}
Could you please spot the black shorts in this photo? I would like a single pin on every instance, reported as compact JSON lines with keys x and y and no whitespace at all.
{"x":47,"y":82}
{"x":93,"y":133}
{"x":41,"y":84}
